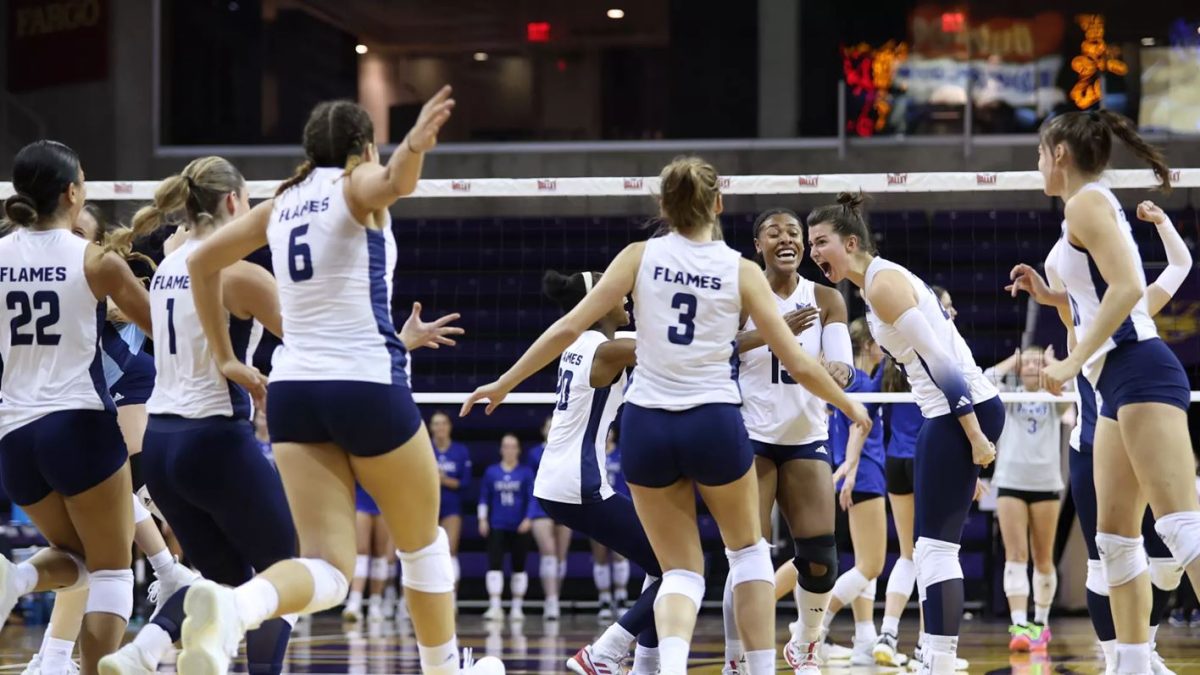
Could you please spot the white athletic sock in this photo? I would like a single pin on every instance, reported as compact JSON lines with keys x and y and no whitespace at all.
{"x":1041,"y":614}
{"x":941,"y":644}
{"x":494,"y":580}
{"x":162,"y":562}
{"x":812,"y":616}
{"x":25,"y":577}
{"x":1153,"y":636}
{"x":257,"y":600}
{"x":761,"y":662}
{"x":1109,"y":647}
{"x":614,"y":644}
{"x":152,"y":643}
{"x":1019,"y":617}
{"x":1133,"y":658}
{"x":645,"y":660}
{"x":864,"y":630}
{"x":672,"y":656}
{"x":733,"y":642}
{"x":890,"y":624}
{"x":56,"y":654}
{"x":439,"y":660}
{"x":354,"y":599}
{"x":602,"y":576}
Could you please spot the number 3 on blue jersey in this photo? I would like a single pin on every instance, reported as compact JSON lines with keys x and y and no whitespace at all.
{"x":686,"y":304}
{"x":299,"y":255}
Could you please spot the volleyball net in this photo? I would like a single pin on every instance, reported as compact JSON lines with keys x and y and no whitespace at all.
{"x":489,"y":268}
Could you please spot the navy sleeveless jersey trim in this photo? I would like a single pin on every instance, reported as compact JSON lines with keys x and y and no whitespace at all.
{"x":1088,"y":412}
{"x":1125,"y":332}
{"x":115,"y":346}
{"x":97,"y":368}
{"x":589,"y":470}
{"x":377,"y":255}
{"x":239,"y":336}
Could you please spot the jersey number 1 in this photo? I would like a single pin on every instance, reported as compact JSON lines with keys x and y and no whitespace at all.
{"x":20,"y":302}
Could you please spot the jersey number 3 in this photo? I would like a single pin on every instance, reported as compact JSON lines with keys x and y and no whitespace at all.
{"x":20,"y":302}
{"x":299,"y":255}
{"x":685,"y":332}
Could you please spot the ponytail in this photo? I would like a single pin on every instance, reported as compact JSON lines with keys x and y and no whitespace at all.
{"x":116,"y":238}
{"x":197,"y":191}
{"x":1122,"y":128}
{"x":302,"y":172}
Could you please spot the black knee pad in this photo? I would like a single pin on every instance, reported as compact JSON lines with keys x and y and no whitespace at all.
{"x":820,"y":551}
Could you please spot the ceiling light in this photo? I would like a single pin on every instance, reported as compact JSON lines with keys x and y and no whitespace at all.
{"x":1147,"y":42}
{"x":361,"y":49}
{"x":481,"y":56}
{"x":616,"y":13}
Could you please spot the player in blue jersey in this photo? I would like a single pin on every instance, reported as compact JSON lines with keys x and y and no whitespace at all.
{"x":505,"y":503}
{"x":62,"y":457}
{"x":454,"y":469}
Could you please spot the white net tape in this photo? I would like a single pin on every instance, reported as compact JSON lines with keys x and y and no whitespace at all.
{"x":732,"y":185}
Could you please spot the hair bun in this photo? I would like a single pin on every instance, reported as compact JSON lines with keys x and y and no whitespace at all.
{"x":21,"y":209}
{"x":555,"y":284}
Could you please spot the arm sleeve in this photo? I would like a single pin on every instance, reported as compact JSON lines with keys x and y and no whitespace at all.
{"x":942,"y":369}
{"x":1179,"y":259}
{"x":835,"y":344}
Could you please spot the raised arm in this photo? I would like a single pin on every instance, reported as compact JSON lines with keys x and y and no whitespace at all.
{"x":374,"y":186}
{"x":1179,"y":259}
{"x":757,"y":300}
{"x":616,"y":282}
{"x":894,"y":301}
{"x":1090,"y":220}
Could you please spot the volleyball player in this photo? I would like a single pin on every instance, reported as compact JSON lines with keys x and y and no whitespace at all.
{"x":573,"y":484}
{"x":1142,"y":446}
{"x":129,"y":377}
{"x":861,"y":487}
{"x":788,"y":428}
{"x":340,"y":407}
{"x":1165,"y":574}
{"x":1029,"y":486}
{"x":964,"y":415}
{"x":62,"y":457}
{"x":454,"y":469}
{"x":505,"y":499}
{"x":549,"y":537}
{"x":372,"y":565}
{"x":681,"y":427}
{"x":621,"y":569}
{"x":903,"y":422}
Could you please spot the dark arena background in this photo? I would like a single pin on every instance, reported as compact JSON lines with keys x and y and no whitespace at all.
{"x":567,"y":110}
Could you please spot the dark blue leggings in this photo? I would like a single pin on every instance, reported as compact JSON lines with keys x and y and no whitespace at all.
{"x":227,"y":506}
{"x":944,"y":482}
{"x":1083,"y":492}
{"x":614,"y":523}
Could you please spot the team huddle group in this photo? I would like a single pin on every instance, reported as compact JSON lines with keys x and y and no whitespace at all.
{"x":722,"y":391}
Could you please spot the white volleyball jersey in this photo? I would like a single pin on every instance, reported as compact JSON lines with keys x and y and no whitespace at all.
{"x":50,"y":329}
{"x":572,"y":469}
{"x":1085,"y":288}
{"x":775,"y":408}
{"x":335,"y":287}
{"x":1029,"y":452}
{"x":927,"y":394}
{"x":687,"y":308}
{"x":187,"y":381}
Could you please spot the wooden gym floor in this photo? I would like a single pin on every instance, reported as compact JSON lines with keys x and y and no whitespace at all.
{"x":325,"y":645}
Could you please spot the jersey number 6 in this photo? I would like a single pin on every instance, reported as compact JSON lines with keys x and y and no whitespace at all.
{"x":299,"y":255}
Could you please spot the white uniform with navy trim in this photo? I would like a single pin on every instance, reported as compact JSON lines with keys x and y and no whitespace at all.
{"x":1029,"y":452}
{"x":775,"y":408}
{"x":687,"y":307}
{"x":335,"y":287}
{"x":187,"y":381}
{"x":50,"y":331}
{"x":928,"y":395}
{"x":1085,"y":288}
{"x":572,"y":470}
